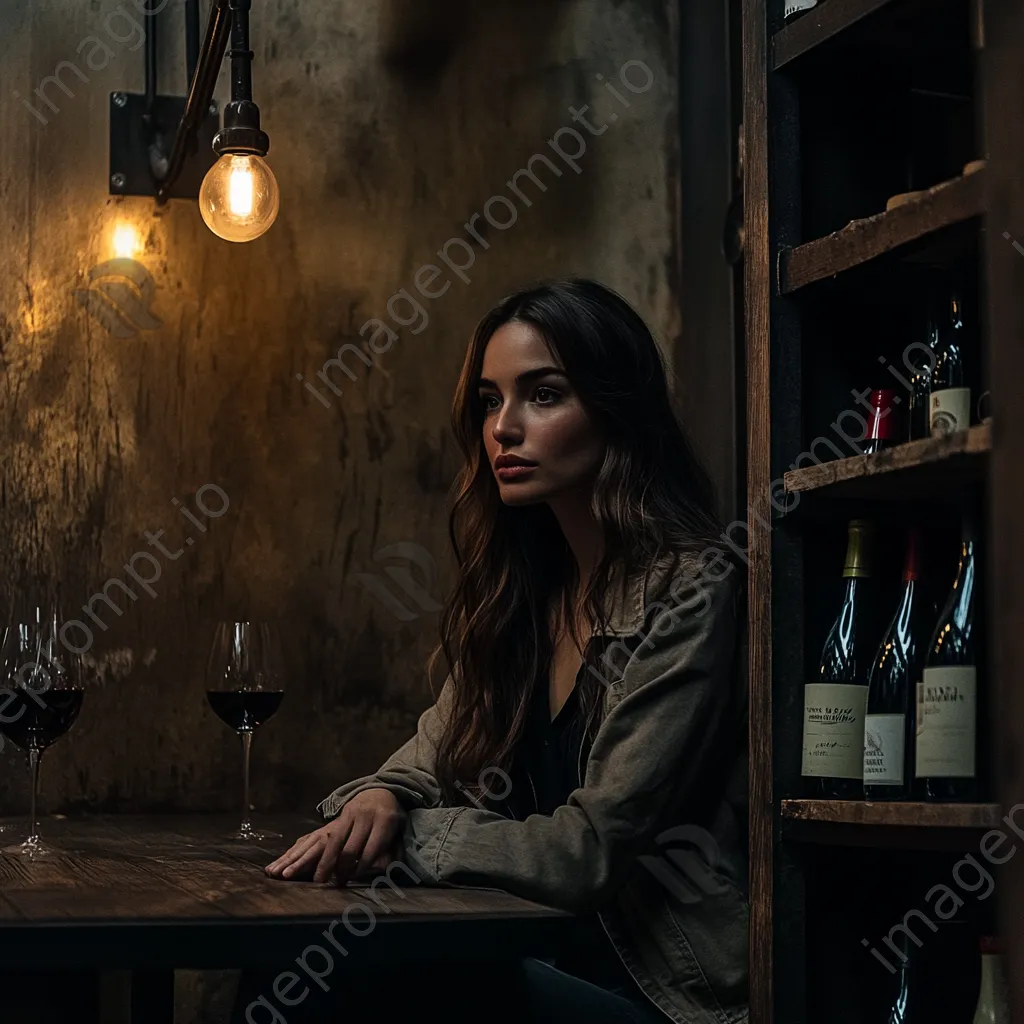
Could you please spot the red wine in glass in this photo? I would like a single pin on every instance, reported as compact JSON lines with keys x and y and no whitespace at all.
{"x":42,"y":696}
{"x":244,"y":687}
{"x":37,"y":725}
{"x":244,"y":709}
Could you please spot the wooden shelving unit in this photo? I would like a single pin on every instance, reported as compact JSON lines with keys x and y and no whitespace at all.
{"x":830,"y":131}
{"x":913,"y":469}
{"x":867,"y":238}
{"x":894,"y":826}
{"x":903,"y":814}
{"x":821,"y":24}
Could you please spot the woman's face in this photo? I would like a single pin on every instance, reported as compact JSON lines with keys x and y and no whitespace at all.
{"x":532,"y":414}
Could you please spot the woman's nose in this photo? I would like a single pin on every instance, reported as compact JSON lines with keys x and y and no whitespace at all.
{"x":507,"y":427}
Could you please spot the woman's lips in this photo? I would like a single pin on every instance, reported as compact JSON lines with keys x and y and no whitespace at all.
{"x":509,"y":473}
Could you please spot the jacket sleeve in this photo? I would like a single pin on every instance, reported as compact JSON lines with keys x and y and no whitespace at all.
{"x":409,"y":772}
{"x":657,"y":757}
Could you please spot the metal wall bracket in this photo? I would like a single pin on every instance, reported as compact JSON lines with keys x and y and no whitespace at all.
{"x":131,"y":164}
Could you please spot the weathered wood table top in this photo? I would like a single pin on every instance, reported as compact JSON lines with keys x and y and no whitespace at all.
{"x":172,"y":891}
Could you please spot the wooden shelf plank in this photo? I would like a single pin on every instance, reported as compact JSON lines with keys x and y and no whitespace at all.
{"x":916,"y":463}
{"x":909,"y":814}
{"x":861,"y":240}
{"x":893,"y":826}
{"x":820,"y":24}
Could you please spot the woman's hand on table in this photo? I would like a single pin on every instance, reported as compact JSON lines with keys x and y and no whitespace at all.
{"x":360,"y":842}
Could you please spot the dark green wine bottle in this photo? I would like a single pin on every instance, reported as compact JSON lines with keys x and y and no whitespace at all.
{"x":834,"y":704}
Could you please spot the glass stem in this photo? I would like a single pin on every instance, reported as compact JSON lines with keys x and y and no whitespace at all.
{"x":246,"y":735}
{"x":34,"y":756}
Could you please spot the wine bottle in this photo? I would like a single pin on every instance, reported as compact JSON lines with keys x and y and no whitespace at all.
{"x":921,"y":358}
{"x":993,"y":997}
{"x":884,"y":428}
{"x":834,"y":704}
{"x":946,"y":708}
{"x":949,"y":408}
{"x":905,"y":1007}
{"x":892,"y":680}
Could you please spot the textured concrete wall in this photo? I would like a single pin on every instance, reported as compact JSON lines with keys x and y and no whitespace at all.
{"x":392,"y":124}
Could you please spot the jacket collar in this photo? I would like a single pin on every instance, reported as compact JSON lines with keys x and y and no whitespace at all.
{"x":628,"y":599}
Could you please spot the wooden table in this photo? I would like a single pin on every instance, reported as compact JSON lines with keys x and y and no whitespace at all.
{"x":155,"y":893}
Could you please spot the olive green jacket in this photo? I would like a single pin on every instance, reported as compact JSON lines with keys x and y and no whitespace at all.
{"x":655,"y":839}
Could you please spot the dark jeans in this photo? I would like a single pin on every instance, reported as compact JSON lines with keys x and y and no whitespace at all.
{"x":527,"y":991}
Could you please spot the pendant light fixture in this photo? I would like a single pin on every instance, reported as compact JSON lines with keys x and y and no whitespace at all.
{"x":238,"y":197}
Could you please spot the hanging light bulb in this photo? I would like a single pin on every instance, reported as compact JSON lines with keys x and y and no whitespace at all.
{"x":239,"y":197}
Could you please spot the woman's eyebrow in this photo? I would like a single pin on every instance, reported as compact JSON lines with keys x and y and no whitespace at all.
{"x":525,"y":376}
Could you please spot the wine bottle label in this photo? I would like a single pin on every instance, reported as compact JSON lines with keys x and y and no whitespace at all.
{"x":833,"y":744}
{"x":946,"y":711}
{"x":949,"y":410}
{"x":795,"y":6}
{"x":884,"y":743}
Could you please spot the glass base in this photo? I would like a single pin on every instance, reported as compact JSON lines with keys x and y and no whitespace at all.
{"x":249,"y":834}
{"x":33,"y":848}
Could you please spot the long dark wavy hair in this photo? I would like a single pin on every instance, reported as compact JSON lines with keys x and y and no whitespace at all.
{"x":650,"y":495}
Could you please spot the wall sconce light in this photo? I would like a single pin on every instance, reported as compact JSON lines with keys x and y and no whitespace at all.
{"x":238,"y":194}
{"x":125,"y":242}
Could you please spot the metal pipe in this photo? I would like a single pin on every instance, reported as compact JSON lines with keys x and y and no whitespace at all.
{"x":241,"y":132}
{"x":200,"y":94}
{"x":150,"y":58}
{"x":191,"y":37}
{"x":240,"y":54}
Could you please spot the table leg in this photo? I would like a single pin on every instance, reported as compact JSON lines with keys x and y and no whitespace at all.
{"x":152,"y":997}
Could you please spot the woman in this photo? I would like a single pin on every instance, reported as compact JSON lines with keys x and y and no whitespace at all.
{"x":588,"y":747}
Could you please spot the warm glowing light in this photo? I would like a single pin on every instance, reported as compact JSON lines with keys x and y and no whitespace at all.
{"x":240,"y":192}
{"x":126,"y":241}
{"x":239,"y":197}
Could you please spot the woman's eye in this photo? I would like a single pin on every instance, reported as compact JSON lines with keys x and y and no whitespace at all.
{"x":489,"y":402}
{"x":546,"y":396}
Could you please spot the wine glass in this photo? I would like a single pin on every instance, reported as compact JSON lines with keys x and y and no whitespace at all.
{"x":6,"y":696}
{"x":245,"y":686}
{"x":42,"y":696}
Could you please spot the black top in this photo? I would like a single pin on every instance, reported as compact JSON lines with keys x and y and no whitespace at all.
{"x":547,"y":767}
